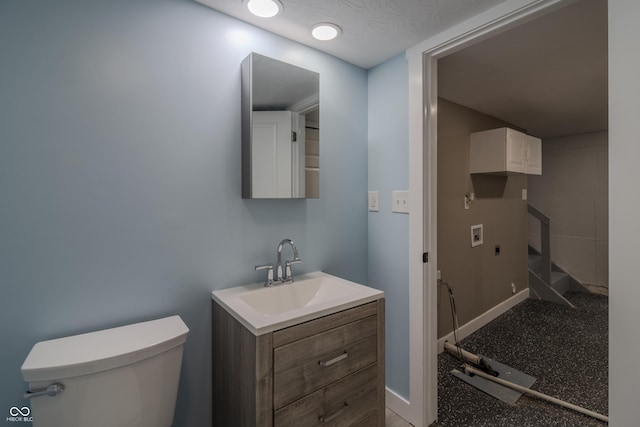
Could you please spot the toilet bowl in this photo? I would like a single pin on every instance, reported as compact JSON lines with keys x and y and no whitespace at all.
{"x":125,"y":376}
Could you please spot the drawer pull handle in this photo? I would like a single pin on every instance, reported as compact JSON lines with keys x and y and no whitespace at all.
{"x":334,"y":360}
{"x":330,"y":418}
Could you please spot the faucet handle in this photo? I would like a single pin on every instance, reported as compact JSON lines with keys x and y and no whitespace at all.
{"x":269,"y":268}
{"x":288,"y":274}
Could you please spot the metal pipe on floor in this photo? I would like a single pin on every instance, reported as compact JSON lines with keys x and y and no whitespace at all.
{"x":471,"y":370}
{"x":459,"y":351}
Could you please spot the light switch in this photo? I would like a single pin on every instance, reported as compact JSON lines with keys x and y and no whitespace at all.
{"x":400,"y":202}
{"x":373,"y":201}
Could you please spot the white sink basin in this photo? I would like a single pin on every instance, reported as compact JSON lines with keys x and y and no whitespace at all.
{"x":294,"y":296}
{"x":265,"y":309}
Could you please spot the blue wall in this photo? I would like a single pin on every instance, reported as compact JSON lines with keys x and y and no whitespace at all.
{"x":120,"y":175}
{"x":389,"y":232}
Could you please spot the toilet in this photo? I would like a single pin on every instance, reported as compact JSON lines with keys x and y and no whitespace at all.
{"x":125,"y":376}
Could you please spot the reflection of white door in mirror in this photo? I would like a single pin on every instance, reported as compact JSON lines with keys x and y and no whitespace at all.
{"x":277,"y":153}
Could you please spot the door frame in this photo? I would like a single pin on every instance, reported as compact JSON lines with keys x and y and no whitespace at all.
{"x":421,"y":409}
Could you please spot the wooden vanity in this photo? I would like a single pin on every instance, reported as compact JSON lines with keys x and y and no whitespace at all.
{"x":328,"y":371}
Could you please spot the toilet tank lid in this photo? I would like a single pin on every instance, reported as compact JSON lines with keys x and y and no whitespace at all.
{"x":102,"y":350}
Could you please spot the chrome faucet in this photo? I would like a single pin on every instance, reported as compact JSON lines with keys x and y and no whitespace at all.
{"x":280,"y":278}
{"x":296,"y":260}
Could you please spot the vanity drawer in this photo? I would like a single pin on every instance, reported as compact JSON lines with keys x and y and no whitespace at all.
{"x":316,"y":326}
{"x":343,"y":403}
{"x":311,"y":363}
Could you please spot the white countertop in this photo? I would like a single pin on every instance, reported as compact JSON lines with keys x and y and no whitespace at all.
{"x":266,"y":309}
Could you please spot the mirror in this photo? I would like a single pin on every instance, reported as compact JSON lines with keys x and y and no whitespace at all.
{"x":280,"y":130}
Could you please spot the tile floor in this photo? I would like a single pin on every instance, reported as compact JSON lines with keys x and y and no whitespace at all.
{"x":394,"y":420}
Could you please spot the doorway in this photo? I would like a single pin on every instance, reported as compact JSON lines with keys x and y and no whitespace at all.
{"x":423,"y":110}
{"x":547,"y":78}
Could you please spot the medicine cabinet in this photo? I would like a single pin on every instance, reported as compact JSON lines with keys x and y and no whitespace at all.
{"x":280,"y":130}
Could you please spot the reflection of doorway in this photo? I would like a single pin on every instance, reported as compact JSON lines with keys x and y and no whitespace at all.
{"x":273,"y":157}
{"x":286,"y":154}
{"x":423,"y":69}
{"x":312,"y":154}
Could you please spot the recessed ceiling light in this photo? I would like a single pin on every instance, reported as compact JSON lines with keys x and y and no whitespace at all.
{"x":325,"y":31}
{"x":264,"y":8}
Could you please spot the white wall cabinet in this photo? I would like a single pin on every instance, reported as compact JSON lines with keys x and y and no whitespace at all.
{"x":504,"y":151}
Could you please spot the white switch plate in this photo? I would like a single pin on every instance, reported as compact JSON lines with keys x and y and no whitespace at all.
{"x":373,"y":201}
{"x":400,"y":202}
{"x":524,"y":194}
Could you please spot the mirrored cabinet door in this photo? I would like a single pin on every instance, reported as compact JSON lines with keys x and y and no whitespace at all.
{"x":280,"y":130}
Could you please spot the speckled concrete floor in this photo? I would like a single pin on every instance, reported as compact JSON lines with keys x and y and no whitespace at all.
{"x":565,"y":349}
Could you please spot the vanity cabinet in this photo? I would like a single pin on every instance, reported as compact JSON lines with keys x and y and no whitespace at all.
{"x":326,"y":371}
{"x":503,"y":151}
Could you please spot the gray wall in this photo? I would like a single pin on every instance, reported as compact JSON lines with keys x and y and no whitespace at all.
{"x":389,"y":232}
{"x":480,"y":279}
{"x":573,"y":191}
{"x":120,"y":175}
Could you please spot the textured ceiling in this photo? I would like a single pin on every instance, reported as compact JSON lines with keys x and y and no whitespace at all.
{"x":372,"y":30}
{"x":548,"y":76}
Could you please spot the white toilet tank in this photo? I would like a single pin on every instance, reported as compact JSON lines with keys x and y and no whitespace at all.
{"x":126,"y":376}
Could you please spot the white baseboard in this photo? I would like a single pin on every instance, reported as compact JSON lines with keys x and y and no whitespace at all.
{"x":397,"y":404}
{"x":486,"y":317}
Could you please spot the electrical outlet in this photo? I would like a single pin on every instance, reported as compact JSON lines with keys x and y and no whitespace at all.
{"x":400,"y":202}
{"x":373,"y":201}
{"x":513,"y":288}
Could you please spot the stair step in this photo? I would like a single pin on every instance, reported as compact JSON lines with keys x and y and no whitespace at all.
{"x":545,"y":292}
{"x":560,"y":281}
